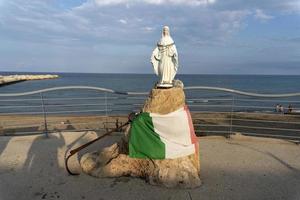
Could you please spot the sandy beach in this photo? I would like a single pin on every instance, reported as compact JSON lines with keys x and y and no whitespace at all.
{"x":32,"y":167}
{"x":203,"y":122}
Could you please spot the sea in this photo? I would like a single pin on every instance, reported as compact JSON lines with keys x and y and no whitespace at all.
{"x":90,"y":101}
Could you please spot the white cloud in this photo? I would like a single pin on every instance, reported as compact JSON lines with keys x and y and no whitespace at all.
{"x":293,"y":6}
{"x":262,"y":16}
{"x":149,"y":29}
{"x":109,"y":2}
{"x":122,"y":21}
{"x":155,"y":2}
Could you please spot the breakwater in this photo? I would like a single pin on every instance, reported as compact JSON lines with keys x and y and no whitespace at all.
{"x":5,"y":80}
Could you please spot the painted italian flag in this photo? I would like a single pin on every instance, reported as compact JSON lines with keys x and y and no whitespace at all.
{"x":166,"y":136}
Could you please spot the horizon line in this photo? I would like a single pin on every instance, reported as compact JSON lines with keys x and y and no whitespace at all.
{"x":216,"y":74}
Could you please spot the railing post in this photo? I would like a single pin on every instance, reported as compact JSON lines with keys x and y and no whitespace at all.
{"x":45,"y":116}
{"x":231,"y":114}
{"x":105,"y":100}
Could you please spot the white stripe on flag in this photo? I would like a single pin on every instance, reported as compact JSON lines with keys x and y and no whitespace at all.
{"x":173,"y":129}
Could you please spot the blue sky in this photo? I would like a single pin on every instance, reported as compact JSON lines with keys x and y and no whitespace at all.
{"x":104,"y":36}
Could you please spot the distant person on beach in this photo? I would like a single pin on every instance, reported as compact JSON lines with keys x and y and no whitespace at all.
{"x":277,"y":109}
{"x":281,"y":109}
{"x":290,"y":108}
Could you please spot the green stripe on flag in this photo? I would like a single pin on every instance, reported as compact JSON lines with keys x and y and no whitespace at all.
{"x":143,"y":141}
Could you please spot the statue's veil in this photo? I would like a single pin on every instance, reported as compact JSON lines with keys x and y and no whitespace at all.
{"x":166,"y":40}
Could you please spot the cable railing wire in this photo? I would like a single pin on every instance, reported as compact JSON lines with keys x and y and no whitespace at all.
{"x":120,"y":102}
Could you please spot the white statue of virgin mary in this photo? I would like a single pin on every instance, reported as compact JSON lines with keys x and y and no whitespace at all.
{"x":165,"y":59}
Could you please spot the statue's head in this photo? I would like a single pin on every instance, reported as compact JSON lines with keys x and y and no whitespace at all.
{"x":166,"y":31}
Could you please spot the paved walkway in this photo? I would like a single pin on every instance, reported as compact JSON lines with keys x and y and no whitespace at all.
{"x":32,"y":167}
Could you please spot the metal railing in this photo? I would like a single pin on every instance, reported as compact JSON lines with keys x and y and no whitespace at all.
{"x":215,"y":111}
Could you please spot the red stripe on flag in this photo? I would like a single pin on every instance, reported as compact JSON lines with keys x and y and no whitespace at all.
{"x":194,"y":138}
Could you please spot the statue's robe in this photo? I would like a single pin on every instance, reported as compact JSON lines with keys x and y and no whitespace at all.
{"x":165,"y":60}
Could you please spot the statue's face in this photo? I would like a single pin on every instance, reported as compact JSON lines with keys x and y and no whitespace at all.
{"x":165,"y":31}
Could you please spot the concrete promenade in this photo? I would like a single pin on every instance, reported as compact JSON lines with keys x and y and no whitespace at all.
{"x":32,"y":167}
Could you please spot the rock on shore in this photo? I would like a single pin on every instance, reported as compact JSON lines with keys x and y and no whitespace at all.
{"x":16,"y":78}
